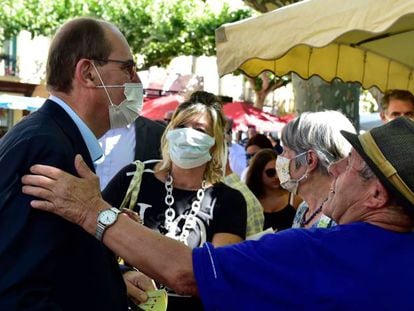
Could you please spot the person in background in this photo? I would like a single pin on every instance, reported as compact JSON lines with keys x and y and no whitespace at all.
{"x":167,"y":116}
{"x":183,"y":197}
{"x":237,"y":154}
{"x":47,"y":263}
{"x":396,"y":103}
{"x":255,"y":143}
{"x":251,"y":131}
{"x":239,"y":138}
{"x":363,"y":263}
{"x":140,"y":140}
{"x":278,"y":205}
{"x":311,"y":142}
{"x":275,"y":140}
{"x":255,"y":217}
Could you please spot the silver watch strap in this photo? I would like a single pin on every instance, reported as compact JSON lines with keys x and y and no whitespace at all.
{"x":100,"y":227}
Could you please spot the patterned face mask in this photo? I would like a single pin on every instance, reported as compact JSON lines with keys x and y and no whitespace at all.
{"x":282,"y":169}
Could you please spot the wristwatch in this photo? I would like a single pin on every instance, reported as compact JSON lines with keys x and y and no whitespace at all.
{"x":106,"y":218}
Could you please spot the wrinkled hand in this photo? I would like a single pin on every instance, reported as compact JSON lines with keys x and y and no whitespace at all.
{"x":64,"y":194}
{"x":137,"y":284}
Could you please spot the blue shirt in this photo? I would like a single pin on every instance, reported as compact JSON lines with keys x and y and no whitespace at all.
{"x":348,"y":267}
{"x":90,"y":139}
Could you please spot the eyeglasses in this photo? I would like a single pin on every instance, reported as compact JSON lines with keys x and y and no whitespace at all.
{"x":128,"y":65}
{"x":270,"y":172}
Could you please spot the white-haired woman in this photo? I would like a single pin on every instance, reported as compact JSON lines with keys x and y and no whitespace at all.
{"x":311,"y":142}
{"x":183,"y":196}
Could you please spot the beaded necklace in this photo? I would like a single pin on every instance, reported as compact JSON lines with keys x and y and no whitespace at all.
{"x":190,"y":219}
{"x":304,"y":221}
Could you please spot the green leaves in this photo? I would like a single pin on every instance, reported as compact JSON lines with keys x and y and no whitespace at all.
{"x":268,"y":5}
{"x":157,"y":30}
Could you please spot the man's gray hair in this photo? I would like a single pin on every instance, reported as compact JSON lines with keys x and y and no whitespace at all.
{"x":320,"y":132}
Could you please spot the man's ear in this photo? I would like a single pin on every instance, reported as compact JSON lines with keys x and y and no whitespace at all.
{"x":85,"y":73}
{"x":382,"y":115}
{"x":378,"y":195}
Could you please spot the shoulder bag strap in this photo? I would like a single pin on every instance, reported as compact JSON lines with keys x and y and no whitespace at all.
{"x":131,"y":196}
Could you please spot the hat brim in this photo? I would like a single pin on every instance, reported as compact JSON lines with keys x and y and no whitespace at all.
{"x":354,"y":141}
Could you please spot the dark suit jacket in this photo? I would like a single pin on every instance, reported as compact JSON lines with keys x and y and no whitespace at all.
{"x":47,"y":263}
{"x":148,"y":139}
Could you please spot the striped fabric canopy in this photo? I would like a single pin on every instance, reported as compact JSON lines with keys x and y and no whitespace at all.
{"x":366,"y":41}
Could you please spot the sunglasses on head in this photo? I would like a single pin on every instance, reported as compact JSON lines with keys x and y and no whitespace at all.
{"x":270,"y":172}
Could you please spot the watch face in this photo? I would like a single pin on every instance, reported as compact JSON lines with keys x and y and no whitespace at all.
{"x":107,"y":217}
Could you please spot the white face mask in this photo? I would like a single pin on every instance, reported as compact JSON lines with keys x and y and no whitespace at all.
{"x":283,"y":173}
{"x":188,"y":147}
{"x":129,"y":109}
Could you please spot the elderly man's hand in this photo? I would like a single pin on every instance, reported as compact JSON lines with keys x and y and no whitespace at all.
{"x":68,"y":196}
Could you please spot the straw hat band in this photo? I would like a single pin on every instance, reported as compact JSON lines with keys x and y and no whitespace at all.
{"x":375,"y":154}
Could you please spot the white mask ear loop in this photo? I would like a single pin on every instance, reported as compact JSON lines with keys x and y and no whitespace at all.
{"x":103,"y":84}
{"x":304,"y":176}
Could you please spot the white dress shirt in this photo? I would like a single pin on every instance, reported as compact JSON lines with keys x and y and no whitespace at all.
{"x":118,"y":147}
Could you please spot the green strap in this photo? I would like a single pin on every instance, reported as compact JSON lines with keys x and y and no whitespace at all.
{"x":131,"y":196}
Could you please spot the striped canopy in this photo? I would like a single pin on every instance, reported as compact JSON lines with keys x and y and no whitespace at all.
{"x":365,"y":41}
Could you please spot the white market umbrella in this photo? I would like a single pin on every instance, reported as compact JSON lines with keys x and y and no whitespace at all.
{"x":366,"y":41}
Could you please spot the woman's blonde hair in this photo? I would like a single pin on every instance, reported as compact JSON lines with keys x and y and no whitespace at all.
{"x":199,"y":103}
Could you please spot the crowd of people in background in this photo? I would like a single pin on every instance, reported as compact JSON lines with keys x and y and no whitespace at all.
{"x":320,"y":206}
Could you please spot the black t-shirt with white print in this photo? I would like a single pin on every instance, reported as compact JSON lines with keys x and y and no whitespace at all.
{"x":223,"y":210}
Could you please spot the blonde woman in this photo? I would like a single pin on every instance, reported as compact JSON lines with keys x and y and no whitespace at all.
{"x":183,"y":196}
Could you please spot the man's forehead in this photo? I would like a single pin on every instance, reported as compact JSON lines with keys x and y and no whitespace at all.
{"x":400,"y":103}
{"x":119,"y":45}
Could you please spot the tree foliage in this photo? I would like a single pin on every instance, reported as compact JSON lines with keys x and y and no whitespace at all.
{"x":264,"y":6}
{"x":158,"y":30}
{"x":266,"y":82}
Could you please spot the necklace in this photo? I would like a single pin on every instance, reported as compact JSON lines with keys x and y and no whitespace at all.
{"x":304,"y":221}
{"x":190,"y":219}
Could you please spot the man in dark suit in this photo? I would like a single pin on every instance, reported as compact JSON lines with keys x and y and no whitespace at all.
{"x":47,"y":263}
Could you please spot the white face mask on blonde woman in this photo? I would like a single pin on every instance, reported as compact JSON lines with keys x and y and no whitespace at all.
{"x":188,"y":147}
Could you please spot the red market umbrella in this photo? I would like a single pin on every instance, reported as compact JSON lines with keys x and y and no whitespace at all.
{"x":244,"y":114}
{"x":156,"y":108}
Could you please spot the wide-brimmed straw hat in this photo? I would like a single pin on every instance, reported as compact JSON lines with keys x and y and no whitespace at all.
{"x":389,"y":152}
